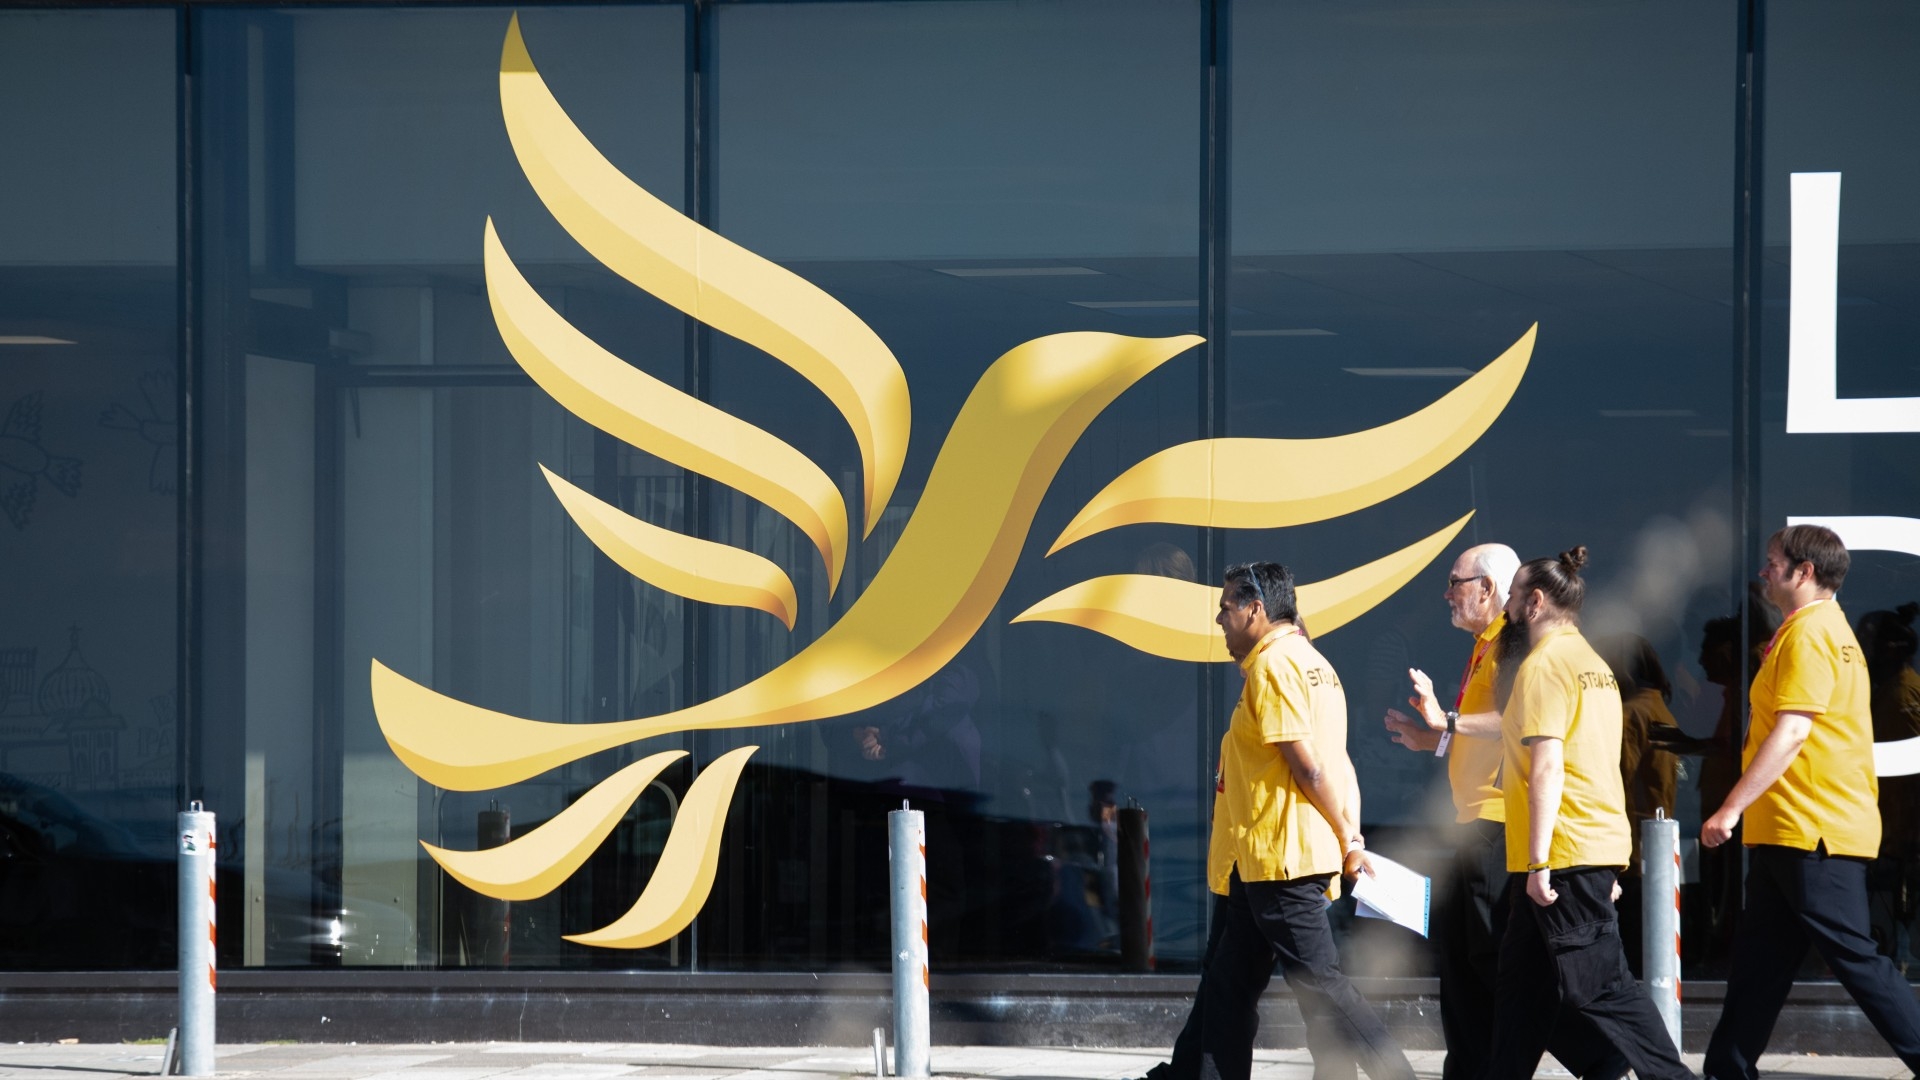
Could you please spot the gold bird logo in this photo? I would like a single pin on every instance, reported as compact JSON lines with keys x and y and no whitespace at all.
{"x":952,"y":560}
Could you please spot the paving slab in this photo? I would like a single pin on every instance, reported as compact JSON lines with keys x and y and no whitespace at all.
{"x":605,"y":1061}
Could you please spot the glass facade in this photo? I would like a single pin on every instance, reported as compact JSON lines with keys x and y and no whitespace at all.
{"x":264,"y":431}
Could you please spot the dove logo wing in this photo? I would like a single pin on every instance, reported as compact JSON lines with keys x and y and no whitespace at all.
{"x":953,"y":560}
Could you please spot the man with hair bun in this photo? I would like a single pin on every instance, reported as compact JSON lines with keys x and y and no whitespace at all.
{"x":1470,"y":903}
{"x":1807,"y":791}
{"x":1286,"y":825}
{"x":1567,"y":837}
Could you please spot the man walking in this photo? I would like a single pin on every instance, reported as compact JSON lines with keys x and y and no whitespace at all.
{"x":1285,"y":823}
{"x":1470,"y":911}
{"x":1809,"y":796}
{"x":1567,"y":837}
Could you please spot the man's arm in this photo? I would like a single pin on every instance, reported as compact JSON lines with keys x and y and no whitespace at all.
{"x":1546,"y":778}
{"x":1337,"y":797}
{"x":1770,"y":761}
{"x":1480,"y":725}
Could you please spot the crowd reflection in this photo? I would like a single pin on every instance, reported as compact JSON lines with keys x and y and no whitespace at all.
{"x":1649,"y":772}
{"x":1888,"y":639}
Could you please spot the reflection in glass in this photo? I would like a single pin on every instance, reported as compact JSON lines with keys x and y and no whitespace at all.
{"x":89,"y":463}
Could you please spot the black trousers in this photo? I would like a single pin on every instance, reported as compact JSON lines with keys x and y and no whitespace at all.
{"x":1470,"y":914}
{"x":1330,"y":1061}
{"x":1796,"y":898}
{"x":1185,"y":1064}
{"x":1262,"y":921}
{"x":1565,"y":959}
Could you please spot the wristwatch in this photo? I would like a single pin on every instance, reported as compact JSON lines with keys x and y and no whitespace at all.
{"x":1358,"y":843}
{"x":1534,"y":868}
{"x":1453,"y":719}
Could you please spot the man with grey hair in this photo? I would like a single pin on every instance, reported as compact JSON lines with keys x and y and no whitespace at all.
{"x":1470,"y":909}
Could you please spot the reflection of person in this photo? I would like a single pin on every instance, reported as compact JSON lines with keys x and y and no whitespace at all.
{"x":1650,"y":774}
{"x":1713,"y":903}
{"x":931,"y":741}
{"x":1566,"y":837}
{"x":1887,"y":639}
{"x":1149,"y":708}
{"x":1471,"y":911}
{"x":1285,"y":823}
{"x":1807,"y":794}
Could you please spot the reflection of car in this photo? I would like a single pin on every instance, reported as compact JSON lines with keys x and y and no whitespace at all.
{"x":78,"y":892}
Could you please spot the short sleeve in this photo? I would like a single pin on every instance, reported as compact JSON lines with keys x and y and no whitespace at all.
{"x":1546,"y":700}
{"x":1279,"y":701}
{"x":1803,"y":677}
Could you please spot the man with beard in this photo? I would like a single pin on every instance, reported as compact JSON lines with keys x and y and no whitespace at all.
{"x":1286,"y":822}
{"x":1567,"y":837}
{"x":1807,"y":790}
{"x":1470,"y":911}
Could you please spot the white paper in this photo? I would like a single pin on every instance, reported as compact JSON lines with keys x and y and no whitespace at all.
{"x":1395,"y":894}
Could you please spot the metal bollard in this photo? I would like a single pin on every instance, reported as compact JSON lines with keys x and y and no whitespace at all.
{"x":196,"y":941}
{"x":1136,"y":892}
{"x":1660,"y":919}
{"x":490,"y":929}
{"x":907,"y":858}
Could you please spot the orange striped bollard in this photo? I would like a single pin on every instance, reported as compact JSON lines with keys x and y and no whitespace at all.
{"x":197,"y":938}
{"x":907,"y":862}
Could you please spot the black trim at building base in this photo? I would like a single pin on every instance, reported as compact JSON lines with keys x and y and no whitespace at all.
{"x":829,"y":1009}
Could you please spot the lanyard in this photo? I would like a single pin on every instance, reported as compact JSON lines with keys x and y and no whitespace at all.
{"x":1473,"y":664}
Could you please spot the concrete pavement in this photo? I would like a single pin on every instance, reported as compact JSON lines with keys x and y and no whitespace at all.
{"x":602,"y":1061}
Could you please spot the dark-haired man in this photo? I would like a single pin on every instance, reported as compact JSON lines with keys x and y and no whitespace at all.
{"x":1567,"y":837}
{"x":1285,"y":826}
{"x":1808,"y":793}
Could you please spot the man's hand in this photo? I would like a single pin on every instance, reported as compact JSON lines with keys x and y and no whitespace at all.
{"x":1411,"y":733}
{"x":1540,"y":889}
{"x":870,"y":746}
{"x":1718,"y":829}
{"x":1424,"y":702}
{"x":1357,"y":863}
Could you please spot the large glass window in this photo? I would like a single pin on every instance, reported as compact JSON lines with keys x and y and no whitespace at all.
{"x":89,"y":463}
{"x":964,"y":177}
{"x":1412,"y":192}
{"x":1840,"y":86}
{"x":373,"y":467}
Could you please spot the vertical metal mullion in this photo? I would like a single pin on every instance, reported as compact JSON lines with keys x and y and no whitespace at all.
{"x":1747,"y":256}
{"x":186,"y":504}
{"x":696,"y":493}
{"x":329,"y":638}
{"x":1748,"y":250}
{"x":1216,"y":132}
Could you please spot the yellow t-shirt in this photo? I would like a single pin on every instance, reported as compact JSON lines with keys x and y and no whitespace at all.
{"x":1263,"y":822}
{"x":1563,"y":690}
{"x":1829,"y":791}
{"x":1473,"y":765}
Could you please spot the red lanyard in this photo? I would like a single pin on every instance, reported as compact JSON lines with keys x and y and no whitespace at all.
{"x":1473,"y":664}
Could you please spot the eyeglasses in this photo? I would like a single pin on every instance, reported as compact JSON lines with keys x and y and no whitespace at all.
{"x":1455,"y":582}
